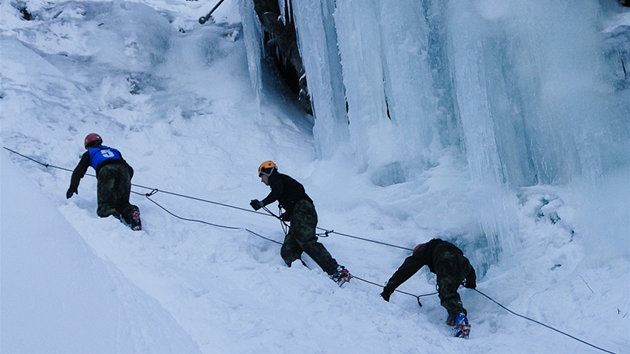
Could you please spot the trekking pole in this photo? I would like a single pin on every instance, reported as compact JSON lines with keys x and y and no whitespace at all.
{"x":205,"y":18}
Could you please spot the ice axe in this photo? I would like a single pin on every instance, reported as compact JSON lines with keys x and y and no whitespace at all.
{"x":204,"y":19}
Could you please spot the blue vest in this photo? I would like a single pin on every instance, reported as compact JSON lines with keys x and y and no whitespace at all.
{"x":101,"y":153}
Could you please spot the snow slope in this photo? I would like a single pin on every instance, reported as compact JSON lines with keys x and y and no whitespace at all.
{"x":175,"y":98}
{"x":59,"y":296}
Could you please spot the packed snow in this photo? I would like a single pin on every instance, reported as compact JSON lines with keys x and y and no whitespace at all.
{"x":183,"y":105}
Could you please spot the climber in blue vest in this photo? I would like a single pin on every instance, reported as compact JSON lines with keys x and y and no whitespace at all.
{"x":113,"y":176}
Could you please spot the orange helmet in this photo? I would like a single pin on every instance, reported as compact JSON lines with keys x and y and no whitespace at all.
{"x":266,"y":168}
{"x":92,"y":140}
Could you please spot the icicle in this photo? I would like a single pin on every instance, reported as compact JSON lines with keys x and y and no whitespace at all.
{"x":286,"y":11}
{"x":318,"y":48}
{"x":252,"y":34}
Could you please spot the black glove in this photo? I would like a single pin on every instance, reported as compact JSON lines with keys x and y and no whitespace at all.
{"x":386,"y":294}
{"x":285,"y":216}
{"x":256,"y":204}
{"x":470,"y":284}
{"x":70,"y":192}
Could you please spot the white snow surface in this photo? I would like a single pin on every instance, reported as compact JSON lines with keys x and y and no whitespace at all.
{"x":176,"y":99}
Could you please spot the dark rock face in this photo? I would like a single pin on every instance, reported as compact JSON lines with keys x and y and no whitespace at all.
{"x":280,"y":42}
{"x":617,"y":52}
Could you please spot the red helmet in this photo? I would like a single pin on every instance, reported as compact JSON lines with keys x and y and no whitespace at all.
{"x":92,"y":140}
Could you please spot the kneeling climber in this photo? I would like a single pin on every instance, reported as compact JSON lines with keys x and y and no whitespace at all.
{"x":113,"y":175}
{"x":451,"y":267}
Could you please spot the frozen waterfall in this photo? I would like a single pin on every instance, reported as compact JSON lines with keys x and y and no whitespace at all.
{"x":520,"y":91}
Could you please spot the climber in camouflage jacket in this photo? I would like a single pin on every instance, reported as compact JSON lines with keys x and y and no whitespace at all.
{"x":447,"y":262}
{"x":300,"y":211}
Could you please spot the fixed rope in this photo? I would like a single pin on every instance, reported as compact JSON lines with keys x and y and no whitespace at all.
{"x":38,"y":162}
{"x":398,"y":291}
{"x":148,"y":196}
{"x":542,"y":324}
{"x":326,"y":233}
{"x":154,"y":190}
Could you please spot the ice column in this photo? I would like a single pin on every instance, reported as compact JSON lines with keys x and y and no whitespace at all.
{"x":497,"y":215}
{"x":359,"y":41}
{"x":411,"y":100}
{"x":317,"y":40}
{"x":252,"y":34}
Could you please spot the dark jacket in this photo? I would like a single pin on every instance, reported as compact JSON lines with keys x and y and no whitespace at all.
{"x":427,"y":254}
{"x":286,"y":191}
{"x":86,"y":161}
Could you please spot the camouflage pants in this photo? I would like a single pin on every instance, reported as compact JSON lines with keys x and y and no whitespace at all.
{"x":301,"y":238}
{"x":451,"y":269}
{"x":113,"y":188}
